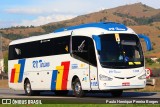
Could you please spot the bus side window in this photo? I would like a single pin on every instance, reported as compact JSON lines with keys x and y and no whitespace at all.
{"x":45,"y":47}
{"x":92,"y":54}
{"x":61,"y":45}
{"x":12,"y":52}
{"x":83,"y":49}
{"x":80,"y":48}
{"x":54,"y":46}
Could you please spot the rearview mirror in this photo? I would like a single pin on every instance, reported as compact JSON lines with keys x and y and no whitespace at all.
{"x":147,"y":41}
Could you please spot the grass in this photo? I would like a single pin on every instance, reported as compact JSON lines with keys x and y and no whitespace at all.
{"x":84,"y":105}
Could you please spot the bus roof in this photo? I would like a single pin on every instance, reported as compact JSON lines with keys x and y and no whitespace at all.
{"x":83,"y":29}
{"x":110,"y":26}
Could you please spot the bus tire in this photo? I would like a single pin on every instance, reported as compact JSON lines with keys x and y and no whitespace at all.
{"x":28,"y":90}
{"x":61,"y":92}
{"x":117,"y":93}
{"x":77,"y":88}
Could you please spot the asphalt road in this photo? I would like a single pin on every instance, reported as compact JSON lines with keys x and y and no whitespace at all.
{"x":89,"y":98}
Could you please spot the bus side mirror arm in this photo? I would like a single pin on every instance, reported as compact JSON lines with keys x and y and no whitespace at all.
{"x":147,"y":41}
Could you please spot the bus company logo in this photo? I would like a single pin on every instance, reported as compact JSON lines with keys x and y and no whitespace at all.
{"x":60,"y":76}
{"x":120,"y":29}
{"x":17,"y":72}
{"x":40,"y":64}
{"x":116,"y":29}
{"x":114,"y":71}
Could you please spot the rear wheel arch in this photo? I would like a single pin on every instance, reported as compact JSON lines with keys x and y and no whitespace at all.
{"x":25,"y":80}
{"x":28,"y":88}
{"x":77,"y":87}
{"x":73,"y":79}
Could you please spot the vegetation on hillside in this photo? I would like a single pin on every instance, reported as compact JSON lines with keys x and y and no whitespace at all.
{"x":18,"y":27}
{"x":140,"y":20}
{"x":150,"y":22}
{"x":12,"y":36}
{"x":51,"y":28}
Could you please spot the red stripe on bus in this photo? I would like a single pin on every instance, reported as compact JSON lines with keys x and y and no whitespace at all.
{"x":12,"y":75}
{"x":65,"y":74}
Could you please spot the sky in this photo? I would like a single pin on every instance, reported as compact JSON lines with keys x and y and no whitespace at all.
{"x":40,"y":12}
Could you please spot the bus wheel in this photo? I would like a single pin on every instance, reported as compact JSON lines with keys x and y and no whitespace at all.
{"x":28,"y":89}
{"x":77,"y":88}
{"x":117,"y":93}
{"x":61,"y":93}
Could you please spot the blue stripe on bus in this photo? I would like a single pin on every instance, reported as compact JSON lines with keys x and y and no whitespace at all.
{"x":54,"y":77}
{"x":22,"y":63}
{"x":110,"y":26}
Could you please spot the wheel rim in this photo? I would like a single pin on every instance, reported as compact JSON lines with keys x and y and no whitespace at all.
{"x":28,"y":89}
{"x":77,"y":88}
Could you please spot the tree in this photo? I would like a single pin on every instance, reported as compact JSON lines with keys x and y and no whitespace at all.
{"x":158,"y":60}
{"x":6,"y":62}
{"x":149,"y":61}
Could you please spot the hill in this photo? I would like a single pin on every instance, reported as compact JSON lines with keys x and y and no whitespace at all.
{"x":141,"y":18}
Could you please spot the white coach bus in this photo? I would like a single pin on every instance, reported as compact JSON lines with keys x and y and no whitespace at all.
{"x":104,"y":57}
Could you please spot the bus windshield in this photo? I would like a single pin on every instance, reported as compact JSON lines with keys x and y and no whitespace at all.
{"x":120,"y":51}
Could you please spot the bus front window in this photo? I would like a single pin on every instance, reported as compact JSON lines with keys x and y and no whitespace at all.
{"x":119,"y":53}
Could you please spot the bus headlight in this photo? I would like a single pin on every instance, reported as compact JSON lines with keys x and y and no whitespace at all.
{"x":142,"y":77}
{"x":104,"y":78}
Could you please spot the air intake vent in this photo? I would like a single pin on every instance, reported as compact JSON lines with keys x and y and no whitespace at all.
{"x":130,"y":77}
{"x":119,"y":77}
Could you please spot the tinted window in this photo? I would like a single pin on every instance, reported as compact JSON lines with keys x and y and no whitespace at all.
{"x":83,"y":49}
{"x":123,"y":51}
{"x":39,"y":48}
{"x":92,"y":55}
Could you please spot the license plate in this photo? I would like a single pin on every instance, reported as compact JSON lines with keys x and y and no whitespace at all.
{"x":126,"y":84}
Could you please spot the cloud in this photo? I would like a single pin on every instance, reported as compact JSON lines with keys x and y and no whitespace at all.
{"x":56,"y":6}
{"x":30,"y":11}
{"x":40,"y":12}
{"x":41,"y":20}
